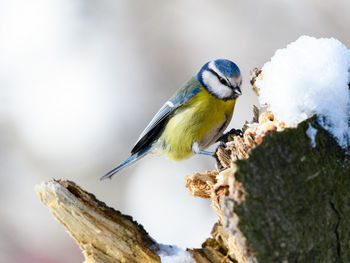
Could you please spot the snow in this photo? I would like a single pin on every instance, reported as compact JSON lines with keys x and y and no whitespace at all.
{"x":310,"y":76}
{"x":174,"y":254}
{"x":311,"y":132}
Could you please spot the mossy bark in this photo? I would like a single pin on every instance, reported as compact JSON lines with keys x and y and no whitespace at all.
{"x":297,"y":198}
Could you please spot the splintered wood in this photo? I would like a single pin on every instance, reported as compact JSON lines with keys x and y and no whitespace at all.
{"x":103,"y":234}
{"x":225,"y":191}
{"x":238,"y":147}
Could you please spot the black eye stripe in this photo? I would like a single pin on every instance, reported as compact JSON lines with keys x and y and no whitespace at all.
{"x":222,"y":80}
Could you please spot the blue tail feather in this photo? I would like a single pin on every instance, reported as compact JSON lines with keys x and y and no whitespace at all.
{"x":129,"y":161}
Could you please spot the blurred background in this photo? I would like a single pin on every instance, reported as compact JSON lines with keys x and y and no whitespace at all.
{"x":80,"y":80}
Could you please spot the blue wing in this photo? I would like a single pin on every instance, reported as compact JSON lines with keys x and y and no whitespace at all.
{"x":155,"y":127}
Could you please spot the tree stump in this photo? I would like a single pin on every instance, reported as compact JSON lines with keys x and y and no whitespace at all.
{"x":283,"y":197}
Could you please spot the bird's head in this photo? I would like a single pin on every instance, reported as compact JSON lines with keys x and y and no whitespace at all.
{"x":221,"y":78}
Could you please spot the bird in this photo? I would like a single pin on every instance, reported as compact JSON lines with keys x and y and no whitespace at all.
{"x":194,"y":118}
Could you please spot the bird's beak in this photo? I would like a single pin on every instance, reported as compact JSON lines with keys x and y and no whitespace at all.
{"x":237,"y":90}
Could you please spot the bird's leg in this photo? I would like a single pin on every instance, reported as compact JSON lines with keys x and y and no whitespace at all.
{"x":196,"y":149}
{"x":206,"y":153}
{"x":224,"y":137}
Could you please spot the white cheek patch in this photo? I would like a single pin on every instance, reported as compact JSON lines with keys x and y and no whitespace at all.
{"x":215,"y":87}
{"x":236,"y":80}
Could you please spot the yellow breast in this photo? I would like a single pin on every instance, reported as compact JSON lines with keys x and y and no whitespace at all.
{"x":193,"y":122}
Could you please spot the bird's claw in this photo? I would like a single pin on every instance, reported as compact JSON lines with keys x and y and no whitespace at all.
{"x":224,"y":137}
{"x":222,"y":145}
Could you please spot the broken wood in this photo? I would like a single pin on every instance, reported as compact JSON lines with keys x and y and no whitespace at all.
{"x":103,"y":234}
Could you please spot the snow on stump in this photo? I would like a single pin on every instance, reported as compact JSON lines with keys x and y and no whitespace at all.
{"x":283,"y":195}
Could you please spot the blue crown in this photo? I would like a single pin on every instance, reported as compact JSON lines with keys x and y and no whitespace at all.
{"x":227,"y":67}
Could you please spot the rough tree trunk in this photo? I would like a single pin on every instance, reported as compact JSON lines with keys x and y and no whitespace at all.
{"x":297,"y":201}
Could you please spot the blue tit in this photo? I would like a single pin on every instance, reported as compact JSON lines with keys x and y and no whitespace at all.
{"x":193,"y":118}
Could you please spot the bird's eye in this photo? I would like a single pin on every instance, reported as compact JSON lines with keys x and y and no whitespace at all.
{"x":223,"y":81}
